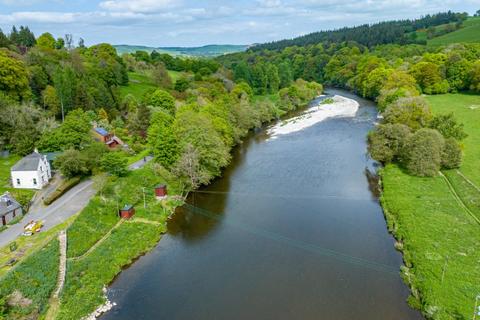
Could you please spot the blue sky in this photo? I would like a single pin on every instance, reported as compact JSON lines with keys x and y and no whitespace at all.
{"x":192,"y":23}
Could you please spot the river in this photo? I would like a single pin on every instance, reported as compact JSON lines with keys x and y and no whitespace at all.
{"x":293,"y":230}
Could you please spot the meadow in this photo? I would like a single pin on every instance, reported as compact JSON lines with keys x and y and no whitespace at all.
{"x":470,"y":32}
{"x":435,"y":222}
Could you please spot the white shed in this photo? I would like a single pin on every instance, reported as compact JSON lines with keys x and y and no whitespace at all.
{"x":31,"y":172}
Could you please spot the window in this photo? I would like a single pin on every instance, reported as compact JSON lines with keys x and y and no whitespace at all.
{"x":41,"y":168}
{"x":18,"y":181}
{"x":34,"y":181}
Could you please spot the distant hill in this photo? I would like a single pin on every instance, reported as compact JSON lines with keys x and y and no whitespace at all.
{"x":212,"y":50}
{"x":470,"y":32}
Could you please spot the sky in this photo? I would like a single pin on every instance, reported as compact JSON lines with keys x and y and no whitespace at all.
{"x":194,"y":23}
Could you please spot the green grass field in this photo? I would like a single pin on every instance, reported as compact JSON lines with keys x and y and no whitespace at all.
{"x":436,"y":221}
{"x":138,"y":85}
{"x":470,"y":32}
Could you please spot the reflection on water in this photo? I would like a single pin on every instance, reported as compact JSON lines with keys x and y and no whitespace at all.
{"x":293,"y":230}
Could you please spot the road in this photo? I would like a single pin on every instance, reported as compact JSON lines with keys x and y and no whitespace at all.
{"x":63,"y":208}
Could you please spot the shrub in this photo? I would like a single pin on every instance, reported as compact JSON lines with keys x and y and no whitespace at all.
{"x":425,"y":149}
{"x":64,"y":187}
{"x":452,"y":154}
{"x":71,"y":163}
{"x":387,"y":142}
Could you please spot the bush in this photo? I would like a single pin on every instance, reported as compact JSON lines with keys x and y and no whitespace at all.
{"x":62,"y":189}
{"x":387,"y":142}
{"x":425,"y":149}
{"x":452,"y":154}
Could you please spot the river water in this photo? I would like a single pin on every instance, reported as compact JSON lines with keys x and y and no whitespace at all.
{"x":293,"y":230}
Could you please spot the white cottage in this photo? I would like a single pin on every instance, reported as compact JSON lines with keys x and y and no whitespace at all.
{"x":31,"y":172}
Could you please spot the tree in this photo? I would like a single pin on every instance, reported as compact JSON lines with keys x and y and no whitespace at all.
{"x":452,"y":154}
{"x":4,"y":41}
{"x":447,"y":125}
{"x":13,"y":78}
{"x":65,"y":83}
{"x":114,"y":163}
{"x":425,"y":149}
{"x":60,"y":43}
{"x":50,"y":100}
{"x":429,"y":77}
{"x":138,"y":121}
{"x":182,"y":84}
{"x":390,"y":96}
{"x":413,"y":112}
{"x":273,"y":80}
{"x":162,"y":140}
{"x":475,"y":77}
{"x":161,"y":77}
{"x":188,"y":169}
{"x":46,"y":41}
{"x":387,"y":142}
{"x":285,"y":74}
{"x":100,"y":181}
{"x":71,"y":163}
{"x":161,"y":99}
{"x":73,"y":133}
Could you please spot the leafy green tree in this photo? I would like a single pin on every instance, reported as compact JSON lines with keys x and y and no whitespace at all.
{"x":273,"y":80}
{"x":285,"y":74}
{"x":425,"y":149}
{"x":59,"y":43}
{"x":448,"y":126}
{"x":429,"y":77}
{"x":46,"y":41}
{"x":387,"y":142}
{"x":73,"y":133}
{"x":4,"y":41}
{"x":65,"y":84}
{"x":242,"y":72}
{"x":182,"y":84}
{"x":197,"y":129}
{"x":38,"y":81}
{"x":13,"y":78}
{"x":114,"y":163}
{"x":161,"y":99}
{"x":50,"y":100}
{"x":412,"y":112}
{"x":452,"y":154}
{"x":390,"y":96}
{"x":71,"y":163}
{"x":162,"y":140}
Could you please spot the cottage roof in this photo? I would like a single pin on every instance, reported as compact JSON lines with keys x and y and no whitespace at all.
{"x":7,"y":204}
{"x":28,"y":163}
{"x":101,"y":131}
{"x":127,"y":207}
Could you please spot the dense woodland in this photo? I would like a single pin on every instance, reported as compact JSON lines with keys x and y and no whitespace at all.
{"x":399,"y":32}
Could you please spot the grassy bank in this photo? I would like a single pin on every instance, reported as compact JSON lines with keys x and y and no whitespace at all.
{"x":435,"y":221}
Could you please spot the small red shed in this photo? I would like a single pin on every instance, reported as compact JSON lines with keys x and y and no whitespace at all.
{"x":161,"y":191}
{"x":126,"y":212}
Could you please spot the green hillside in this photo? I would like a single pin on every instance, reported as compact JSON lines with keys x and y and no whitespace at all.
{"x":469,"y":33}
{"x":204,"y":51}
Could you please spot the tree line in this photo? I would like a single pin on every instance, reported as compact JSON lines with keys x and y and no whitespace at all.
{"x":397,"y":31}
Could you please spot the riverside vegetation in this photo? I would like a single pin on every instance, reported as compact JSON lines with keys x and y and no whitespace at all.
{"x":189,"y":113}
{"x":189,"y":118}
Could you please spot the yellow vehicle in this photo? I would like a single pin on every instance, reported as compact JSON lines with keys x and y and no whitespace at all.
{"x":32,"y":227}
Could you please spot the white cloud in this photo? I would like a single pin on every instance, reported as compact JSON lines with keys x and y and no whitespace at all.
{"x":138,"y":6}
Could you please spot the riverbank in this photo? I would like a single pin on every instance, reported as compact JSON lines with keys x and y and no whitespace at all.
{"x":338,"y":106}
{"x":434,"y":222}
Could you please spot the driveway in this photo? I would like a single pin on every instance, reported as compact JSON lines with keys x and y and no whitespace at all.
{"x":63,"y":208}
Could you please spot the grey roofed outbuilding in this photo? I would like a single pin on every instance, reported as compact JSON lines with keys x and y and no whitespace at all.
{"x":8,"y":204}
{"x":28,"y":163}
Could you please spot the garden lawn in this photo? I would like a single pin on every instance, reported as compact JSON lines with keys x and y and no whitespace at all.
{"x":441,"y":237}
{"x":23,"y":196}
